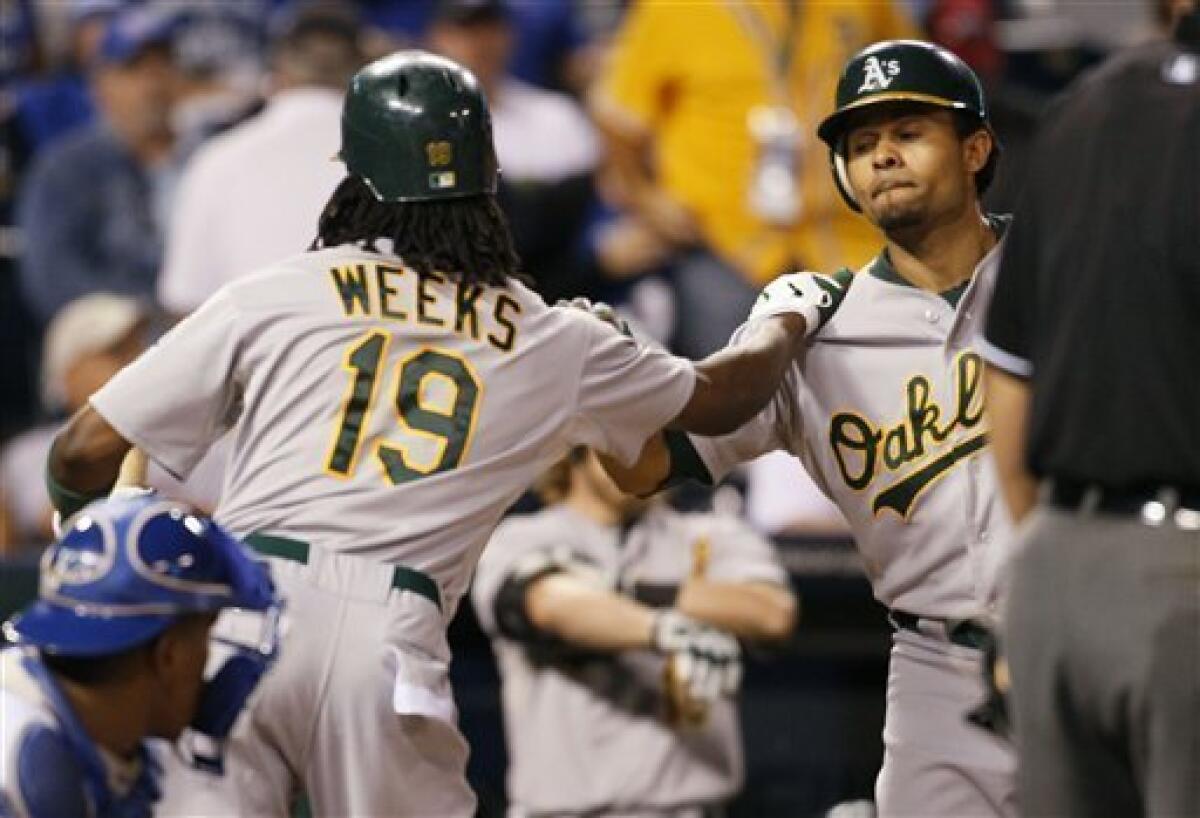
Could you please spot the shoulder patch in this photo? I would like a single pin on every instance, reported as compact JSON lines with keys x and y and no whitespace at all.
{"x":49,"y":778}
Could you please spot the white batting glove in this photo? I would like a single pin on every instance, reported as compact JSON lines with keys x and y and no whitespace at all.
{"x":814,"y":296}
{"x":707,"y":661}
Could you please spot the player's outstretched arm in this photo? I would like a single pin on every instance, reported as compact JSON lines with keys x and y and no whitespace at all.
{"x":84,"y":461}
{"x":733,"y":385}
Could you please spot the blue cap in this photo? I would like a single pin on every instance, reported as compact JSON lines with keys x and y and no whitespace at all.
{"x":133,"y":30}
{"x":128,"y":567}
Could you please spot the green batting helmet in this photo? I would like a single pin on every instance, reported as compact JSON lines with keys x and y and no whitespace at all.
{"x":903,"y":71}
{"x":416,"y":127}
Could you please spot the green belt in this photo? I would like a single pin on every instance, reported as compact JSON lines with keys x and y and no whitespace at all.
{"x":404,"y":579}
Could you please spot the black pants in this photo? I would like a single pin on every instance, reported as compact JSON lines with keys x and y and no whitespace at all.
{"x":1103,"y":640}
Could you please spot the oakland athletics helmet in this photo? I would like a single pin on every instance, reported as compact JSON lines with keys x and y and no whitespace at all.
{"x":903,"y":71}
{"x":416,"y":127}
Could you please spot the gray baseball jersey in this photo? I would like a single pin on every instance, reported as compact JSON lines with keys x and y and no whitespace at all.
{"x":885,"y":410}
{"x":590,"y":734}
{"x":386,"y":414}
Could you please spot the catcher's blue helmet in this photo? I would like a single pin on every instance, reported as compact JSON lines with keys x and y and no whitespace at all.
{"x":128,"y":567}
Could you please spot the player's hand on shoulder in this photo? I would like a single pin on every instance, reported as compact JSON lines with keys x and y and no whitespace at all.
{"x":597,"y":309}
{"x":813,"y":296}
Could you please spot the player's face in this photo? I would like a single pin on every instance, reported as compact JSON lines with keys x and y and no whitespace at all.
{"x":908,"y":168}
{"x":179,"y":661}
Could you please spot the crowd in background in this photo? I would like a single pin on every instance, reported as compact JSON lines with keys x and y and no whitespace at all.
{"x":659,"y":156}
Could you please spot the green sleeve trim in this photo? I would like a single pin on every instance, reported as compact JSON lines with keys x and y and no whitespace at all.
{"x":68,"y":501}
{"x":686,"y":463}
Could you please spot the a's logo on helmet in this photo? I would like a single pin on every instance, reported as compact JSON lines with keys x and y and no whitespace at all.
{"x":439,"y":154}
{"x":878,"y":74}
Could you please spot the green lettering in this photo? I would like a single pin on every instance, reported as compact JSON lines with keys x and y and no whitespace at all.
{"x":970,"y":394}
{"x":351,"y":286}
{"x":465,"y":299}
{"x":387,"y":292}
{"x":850,"y":434}
{"x":895,"y":447}
{"x":505,"y":342}
{"x":924,"y":415}
{"x":424,"y":298}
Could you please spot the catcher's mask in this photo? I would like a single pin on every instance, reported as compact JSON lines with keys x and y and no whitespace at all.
{"x":131,"y":565}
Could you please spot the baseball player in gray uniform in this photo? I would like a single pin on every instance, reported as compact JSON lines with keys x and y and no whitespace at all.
{"x":884,"y":409}
{"x":614,"y":624}
{"x":390,"y":393}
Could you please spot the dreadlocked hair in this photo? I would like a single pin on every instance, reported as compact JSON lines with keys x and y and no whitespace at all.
{"x":466,"y":237}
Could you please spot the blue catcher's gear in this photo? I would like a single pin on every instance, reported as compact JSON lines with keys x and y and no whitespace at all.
{"x":131,"y":565}
{"x":49,"y":765}
{"x":127,"y":568}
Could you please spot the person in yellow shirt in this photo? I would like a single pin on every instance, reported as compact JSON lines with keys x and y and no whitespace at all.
{"x":706,"y":109}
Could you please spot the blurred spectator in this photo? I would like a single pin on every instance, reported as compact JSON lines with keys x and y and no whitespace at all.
{"x":219,"y":50}
{"x":90,"y":209}
{"x":551,"y":47}
{"x":18,"y":40}
{"x":50,"y":107}
{"x":707,"y":109}
{"x":968,"y":28}
{"x":87,"y":343}
{"x":549,"y":44}
{"x":253,"y":194}
{"x":540,"y":135}
{"x":404,"y":21}
{"x":546,"y":146}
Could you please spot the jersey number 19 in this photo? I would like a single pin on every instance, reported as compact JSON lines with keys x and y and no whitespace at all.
{"x":451,"y":423}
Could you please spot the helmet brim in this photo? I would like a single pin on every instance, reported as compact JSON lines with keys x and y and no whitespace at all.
{"x":57,"y":630}
{"x":833,"y":127}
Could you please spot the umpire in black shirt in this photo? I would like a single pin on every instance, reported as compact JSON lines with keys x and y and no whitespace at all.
{"x":1093,"y":345}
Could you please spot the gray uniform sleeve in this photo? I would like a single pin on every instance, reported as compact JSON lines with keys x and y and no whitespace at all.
{"x":740,"y":554}
{"x":519,"y":544}
{"x":178,"y":397}
{"x":627,"y":391}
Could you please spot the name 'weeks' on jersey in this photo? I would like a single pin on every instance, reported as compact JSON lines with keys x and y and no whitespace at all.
{"x":375,"y":289}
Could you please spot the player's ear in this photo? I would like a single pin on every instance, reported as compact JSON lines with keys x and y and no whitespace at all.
{"x":977,"y":149}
